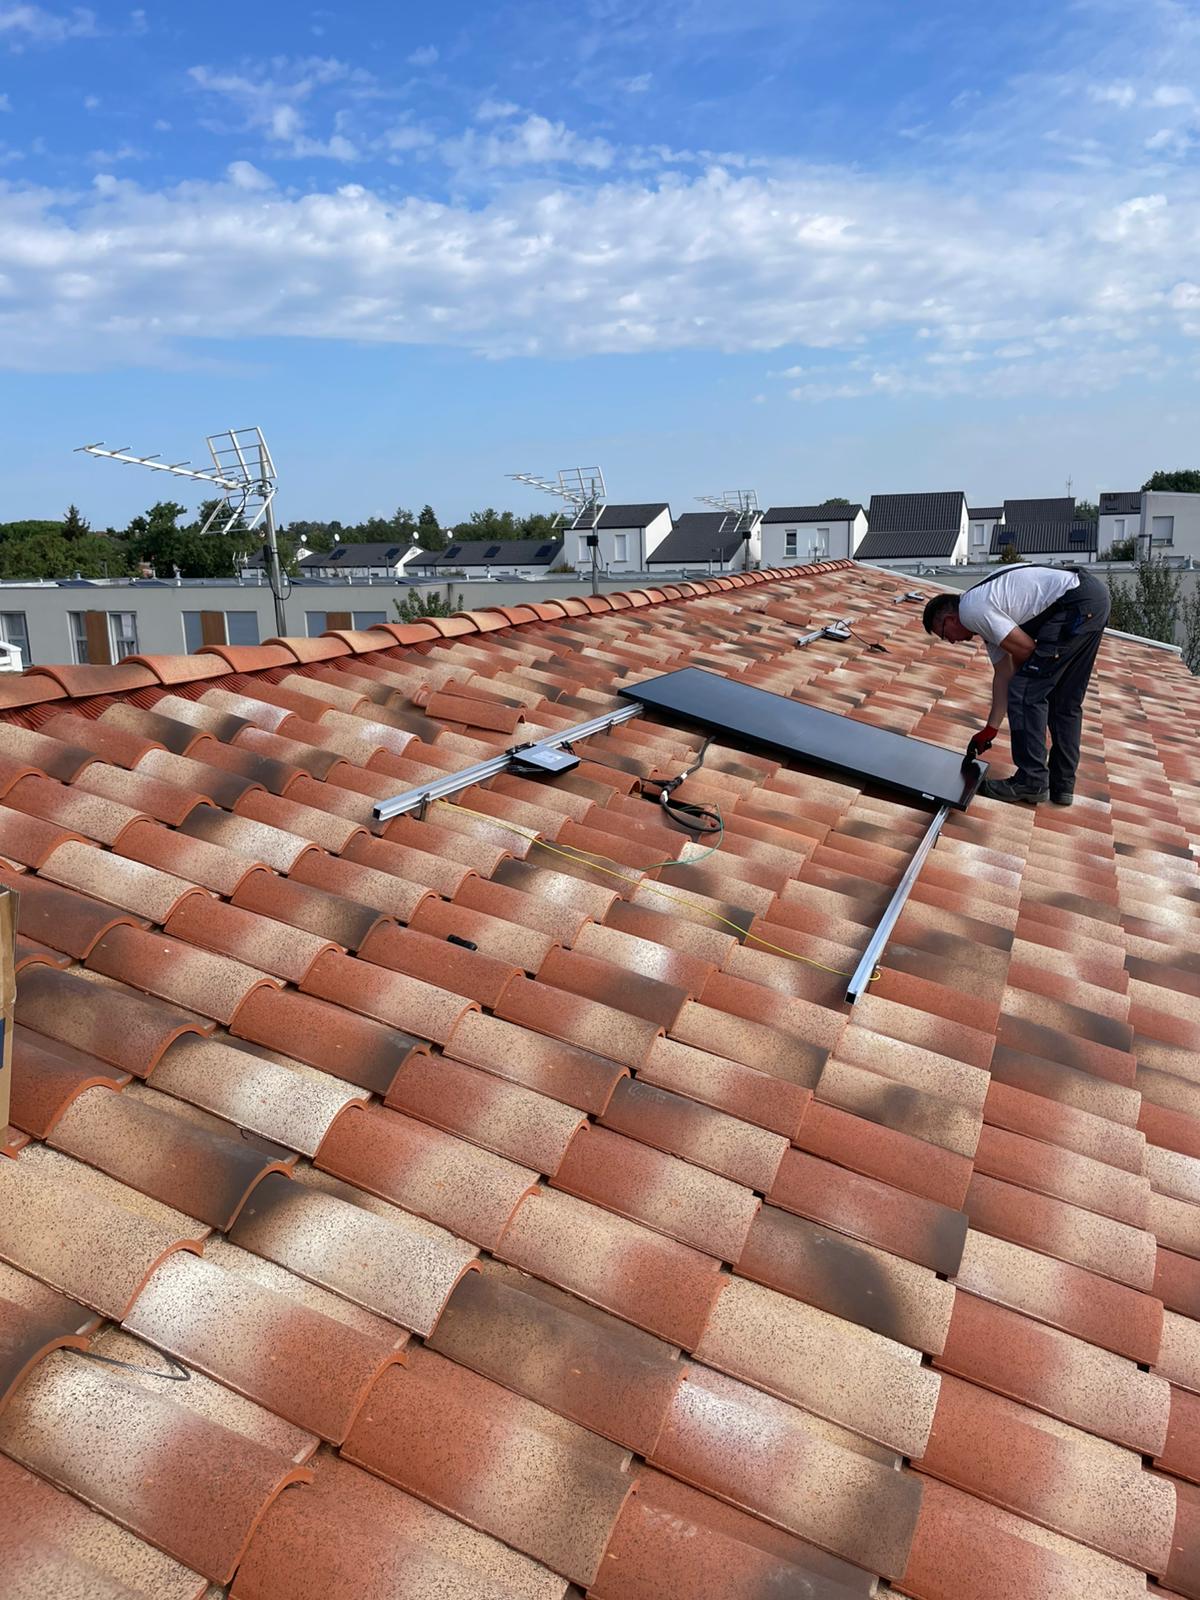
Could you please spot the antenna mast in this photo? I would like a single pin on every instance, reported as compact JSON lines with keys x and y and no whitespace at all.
{"x":741,"y":510}
{"x":582,"y":491}
{"x":244,"y":474}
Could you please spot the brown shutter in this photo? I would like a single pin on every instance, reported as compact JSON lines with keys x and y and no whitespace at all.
{"x":96,"y":629}
{"x":338,"y":619}
{"x":212,"y":627}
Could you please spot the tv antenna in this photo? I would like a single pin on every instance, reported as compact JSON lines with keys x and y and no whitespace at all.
{"x":742,"y":512}
{"x":582,"y":491}
{"x":244,"y":474}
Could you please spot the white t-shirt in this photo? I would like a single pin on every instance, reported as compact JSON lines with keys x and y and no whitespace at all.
{"x":994,"y":609}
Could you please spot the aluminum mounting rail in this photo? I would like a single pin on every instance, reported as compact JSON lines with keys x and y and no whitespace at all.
{"x":869,"y":962}
{"x":456,"y":782}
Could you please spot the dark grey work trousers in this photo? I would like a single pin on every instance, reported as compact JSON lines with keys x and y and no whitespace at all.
{"x":1046,"y":694}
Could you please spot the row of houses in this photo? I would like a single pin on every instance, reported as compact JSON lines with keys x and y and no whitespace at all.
{"x":894,"y":530}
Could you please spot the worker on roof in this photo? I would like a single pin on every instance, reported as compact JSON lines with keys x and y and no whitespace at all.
{"x":1042,"y":628}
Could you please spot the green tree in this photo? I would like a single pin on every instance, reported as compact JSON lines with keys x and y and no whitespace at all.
{"x":429,"y":530}
{"x":1185,"y":481}
{"x":1008,"y":556}
{"x":1119,"y":550}
{"x":1151,"y":608}
{"x":1087,"y":511}
{"x":416,"y":605}
{"x":158,"y":539}
{"x":15,"y":532}
{"x":74,"y":525}
{"x":49,"y":555}
{"x":1190,"y":619}
{"x":488,"y":524}
{"x":537,"y":525}
{"x":835,"y":500}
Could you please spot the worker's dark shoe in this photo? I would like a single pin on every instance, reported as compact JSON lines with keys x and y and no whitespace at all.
{"x":1063,"y":797}
{"x":1013,"y":789}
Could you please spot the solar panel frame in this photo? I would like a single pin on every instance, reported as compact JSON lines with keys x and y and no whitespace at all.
{"x":758,"y":718}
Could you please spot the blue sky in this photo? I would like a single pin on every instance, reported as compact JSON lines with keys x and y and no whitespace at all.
{"x":822,"y":247}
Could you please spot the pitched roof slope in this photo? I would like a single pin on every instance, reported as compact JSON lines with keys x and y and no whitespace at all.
{"x":1020,"y":512}
{"x":481,"y":1168}
{"x":827,"y":511}
{"x":698,"y":536}
{"x":1046,"y":538}
{"x":903,"y":513}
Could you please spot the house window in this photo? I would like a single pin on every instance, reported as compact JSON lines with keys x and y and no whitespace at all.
{"x":122,"y":634}
{"x":241,"y":627}
{"x":369,"y":619}
{"x":79,"y":646}
{"x":620,"y":546}
{"x":193,"y":632}
{"x":1162,"y":530}
{"x":791,"y":540}
{"x":14,"y":631}
{"x":1118,"y":527}
{"x":314,"y":623}
{"x":977,"y":533}
{"x":820,"y":544}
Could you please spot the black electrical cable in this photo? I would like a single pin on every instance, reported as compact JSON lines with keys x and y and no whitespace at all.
{"x":699,"y":819}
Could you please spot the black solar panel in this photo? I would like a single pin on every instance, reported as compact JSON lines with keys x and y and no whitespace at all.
{"x":491,"y":551}
{"x":453,"y":551}
{"x":544,"y":552}
{"x":772,"y":721}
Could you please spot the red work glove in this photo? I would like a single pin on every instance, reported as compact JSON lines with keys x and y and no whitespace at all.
{"x":981,"y":741}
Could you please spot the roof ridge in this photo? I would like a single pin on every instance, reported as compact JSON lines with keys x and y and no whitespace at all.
{"x":65,"y":683}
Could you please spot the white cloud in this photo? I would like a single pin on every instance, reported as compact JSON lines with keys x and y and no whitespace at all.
{"x":1168,"y":94}
{"x":113,"y":158}
{"x":161,"y":125}
{"x":5,"y":103}
{"x":535,"y":142}
{"x":33,"y":24}
{"x":91,"y":102}
{"x":245,"y":175}
{"x":744,"y":263}
{"x":425,"y":56}
{"x":1122,"y":95}
{"x":497,"y":110}
{"x":639,"y":84}
{"x":271,"y":102}
{"x":406,"y":136}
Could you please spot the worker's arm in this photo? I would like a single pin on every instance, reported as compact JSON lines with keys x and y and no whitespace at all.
{"x":1001,"y":678}
{"x":1017,"y":647}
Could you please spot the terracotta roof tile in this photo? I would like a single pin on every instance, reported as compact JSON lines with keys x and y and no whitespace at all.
{"x":52,"y":1544}
{"x":649,"y":1280}
{"x":197,"y":1173}
{"x":351,"y":1047}
{"x":351,"y":1527}
{"x":110,"y":1433}
{"x":574,"y":1077}
{"x":128,"y":1030}
{"x":84,"y":1233}
{"x":330,"y":918}
{"x":1056,"y":1373}
{"x":425,"y":1426}
{"x":769,"y":1458}
{"x":457,"y":1185}
{"x":258,"y":842}
{"x":46,"y":1078}
{"x":1099,"y":1244}
{"x":211,"y":985}
{"x":388,"y":1262}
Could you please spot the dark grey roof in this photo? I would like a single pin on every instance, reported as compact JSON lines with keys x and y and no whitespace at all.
{"x":1120,"y":502}
{"x":493,"y":553}
{"x":383,"y":554}
{"x":827,"y":512}
{"x":917,"y":513}
{"x":639,"y":516}
{"x":907,"y":544}
{"x":1017,"y":513}
{"x":985,"y":513}
{"x":697,"y":537}
{"x":1046,"y":538}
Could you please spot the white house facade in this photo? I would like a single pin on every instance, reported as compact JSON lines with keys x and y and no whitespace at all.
{"x":982,"y":522}
{"x":628,"y":536}
{"x":1120,"y":517}
{"x":794,"y":535}
{"x":1169,"y":524}
{"x":913,"y":530}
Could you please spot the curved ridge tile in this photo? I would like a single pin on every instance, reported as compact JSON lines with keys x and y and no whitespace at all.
{"x":170,"y":1158}
{"x":119,"y":881}
{"x":53,"y":1544}
{"x":351,"y":1533}
{"x":200,"y":980}
{"x":92,"y":1431}
{"x":453,"y":1184}
{"x":35,"y":1320}
{"x":427,"y":1427}
{"x":47,"y":1076}
{"x":298,"y":1363}
{"x":129,"y":1030}
{"x":353,"y":1048}
{"x":397,"y":1266}
{"x":84,"y":1233}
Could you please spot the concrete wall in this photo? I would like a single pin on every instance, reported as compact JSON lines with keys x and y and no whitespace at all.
{"x":244,"y":613}
{"x":638,"y":544}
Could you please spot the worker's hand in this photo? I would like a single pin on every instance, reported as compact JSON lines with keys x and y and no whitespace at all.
{"x":980,"y":742}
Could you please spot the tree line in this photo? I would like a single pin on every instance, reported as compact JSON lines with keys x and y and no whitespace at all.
{"x":166,"y":539}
